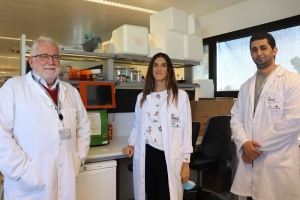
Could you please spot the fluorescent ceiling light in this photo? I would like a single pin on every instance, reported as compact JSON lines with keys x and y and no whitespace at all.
{"x":120,"y":5}
{"x":30,"y":40}
{"x":10,"y":38}
{"x":9,"y":57}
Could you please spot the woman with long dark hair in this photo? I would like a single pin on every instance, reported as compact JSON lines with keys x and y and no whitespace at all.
{"x":160,"y":140}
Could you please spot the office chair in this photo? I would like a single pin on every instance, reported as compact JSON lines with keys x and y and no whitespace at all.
{"x":130,"y":167}
{"x":215,"y":148}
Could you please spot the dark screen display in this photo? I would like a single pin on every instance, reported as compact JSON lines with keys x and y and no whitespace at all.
{"x":98,"y":95}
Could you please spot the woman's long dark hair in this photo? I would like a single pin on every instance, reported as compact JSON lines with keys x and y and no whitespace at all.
{"x":171,"y":82}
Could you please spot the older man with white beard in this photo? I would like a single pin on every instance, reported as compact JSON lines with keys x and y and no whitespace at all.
{"x":44,"y":130}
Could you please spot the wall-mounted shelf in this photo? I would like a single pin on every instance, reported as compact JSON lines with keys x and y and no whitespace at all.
{"x":132,"y":85}
{"x":144,"y":60}
{"x":82,"y":55}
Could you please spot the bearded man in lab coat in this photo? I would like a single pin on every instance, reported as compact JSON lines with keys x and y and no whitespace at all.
{"x":265,"y":121}
{"x":44,"y":130}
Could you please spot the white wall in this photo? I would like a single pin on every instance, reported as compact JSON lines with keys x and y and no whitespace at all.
{"x":247,"y":14}
{"x":122,"y":123}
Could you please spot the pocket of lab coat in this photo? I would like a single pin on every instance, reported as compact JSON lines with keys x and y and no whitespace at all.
{"x":31,"y":179}
{"x":280,"y":158}
{"x":274,"y":103}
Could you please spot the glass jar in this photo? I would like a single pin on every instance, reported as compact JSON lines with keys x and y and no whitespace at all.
{"x":126,"y":72}
{"x":139,"y":76}
{"x":118,"y":72}
{"x":132,"y":75}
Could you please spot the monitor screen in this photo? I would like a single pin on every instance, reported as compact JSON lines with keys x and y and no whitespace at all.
{"x":97,"y":95}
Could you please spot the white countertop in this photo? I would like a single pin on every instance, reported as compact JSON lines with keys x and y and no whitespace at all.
{"x":112,"y":150}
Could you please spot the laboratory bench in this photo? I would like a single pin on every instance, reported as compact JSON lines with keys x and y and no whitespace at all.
{"x":113,"y":151}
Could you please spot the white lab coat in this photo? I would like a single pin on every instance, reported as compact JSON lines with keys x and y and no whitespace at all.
{"x":275,"y":174}
{"x":176,"y":141}
{"x":37,"y":165}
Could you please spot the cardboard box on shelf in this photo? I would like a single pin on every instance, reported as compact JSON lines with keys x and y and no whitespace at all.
{"x":205,"y":108}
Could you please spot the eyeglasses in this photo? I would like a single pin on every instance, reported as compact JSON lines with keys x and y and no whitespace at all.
{"x":45,"y":57}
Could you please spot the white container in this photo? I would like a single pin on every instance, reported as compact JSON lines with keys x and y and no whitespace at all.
{"x":90,"y":184}
{"x":170,"y":42}
{"x":154,"y":50}
{"x":108,"y":47}
{"x":193,"y":25}
{"x":193,"y":48}
{"x":170,"y":19}
{"x":129,"y":39}
{"x":206,"y":89}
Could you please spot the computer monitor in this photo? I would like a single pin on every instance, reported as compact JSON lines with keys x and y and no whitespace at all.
{"x":97,"y":95}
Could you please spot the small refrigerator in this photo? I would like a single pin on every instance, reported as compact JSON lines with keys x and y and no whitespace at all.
{"x":97,"y":181}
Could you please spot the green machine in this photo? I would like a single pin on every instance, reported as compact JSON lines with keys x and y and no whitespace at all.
{"x":99,"y":127}
{"x":97,"y":96}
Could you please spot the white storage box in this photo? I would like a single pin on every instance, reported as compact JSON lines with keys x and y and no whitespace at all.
{"x":206,"y":89}
{"x":108,"y":47}
{"x":170,"y":19}
{"x":193,"y":25}
{"x":170,"y":42}
{"x":193,"y":48}
{"x":154,"y":50}
{"x":130,"y":39}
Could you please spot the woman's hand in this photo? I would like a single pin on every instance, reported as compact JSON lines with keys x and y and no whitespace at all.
{"x":129,"y":150}
{"x":185,"y":172}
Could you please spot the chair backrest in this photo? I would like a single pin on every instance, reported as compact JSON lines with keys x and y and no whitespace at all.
{"x":216,"y":141}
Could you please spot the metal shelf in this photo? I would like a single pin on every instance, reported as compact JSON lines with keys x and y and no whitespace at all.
{"x":131,"y":85}
{"x":141,"y":84}
{"x":86,"y":54}
{"x":144,"y":60}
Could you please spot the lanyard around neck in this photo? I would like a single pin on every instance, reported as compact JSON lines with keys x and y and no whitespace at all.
{"x":58,"y":106}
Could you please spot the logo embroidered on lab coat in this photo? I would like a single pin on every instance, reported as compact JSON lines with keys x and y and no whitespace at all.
{"x":175,"y":121}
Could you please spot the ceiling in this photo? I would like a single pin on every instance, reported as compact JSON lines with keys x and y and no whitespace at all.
{"x":66,"y":21}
